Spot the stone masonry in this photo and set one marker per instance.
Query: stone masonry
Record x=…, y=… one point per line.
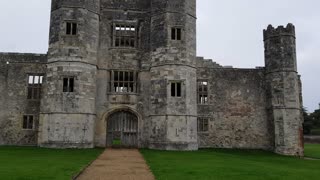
x=125, y=72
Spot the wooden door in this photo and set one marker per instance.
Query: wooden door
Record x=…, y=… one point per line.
x=122, y=129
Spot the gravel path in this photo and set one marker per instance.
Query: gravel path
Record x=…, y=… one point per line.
x=118, y=164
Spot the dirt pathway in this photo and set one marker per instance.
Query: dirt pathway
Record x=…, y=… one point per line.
x=118, y=164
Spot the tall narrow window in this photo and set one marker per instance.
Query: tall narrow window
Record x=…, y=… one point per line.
x=124, y=35
x=176, y=34
x=203, y=124
x=34, y=87
x=28, y=122
x=68, y=84
x=71, y=28
x=202, y=92
x=123, y=81
x=176, y=89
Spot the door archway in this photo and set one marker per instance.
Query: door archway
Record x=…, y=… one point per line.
x=122, y=129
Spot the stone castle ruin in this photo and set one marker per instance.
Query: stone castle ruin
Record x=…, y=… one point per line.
x=125, y=72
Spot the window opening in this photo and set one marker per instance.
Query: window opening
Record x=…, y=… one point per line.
x=176, y=34
x=34, y=86
x=27, y=122
x=124, y=35
x=71, y=28
x=68, y=84
x=203, y=124
x=202, y=92
x=176, y=89
x=123, y=81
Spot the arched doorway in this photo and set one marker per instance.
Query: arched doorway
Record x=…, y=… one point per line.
x=122, y=129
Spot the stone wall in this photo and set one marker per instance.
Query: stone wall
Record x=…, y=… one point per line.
x=14, y=70
x=236, y=108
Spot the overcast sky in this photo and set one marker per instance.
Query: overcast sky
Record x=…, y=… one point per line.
x=229, y=32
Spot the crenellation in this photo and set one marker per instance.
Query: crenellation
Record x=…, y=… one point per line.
x=272, y=32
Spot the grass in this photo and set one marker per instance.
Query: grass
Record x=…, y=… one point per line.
x=230, y=164
x=312, y=150
x=116, y=142
x=36, y=163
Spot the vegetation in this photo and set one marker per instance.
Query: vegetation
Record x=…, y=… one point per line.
x=311, y=124
x=231, y=164
x=312, y=150
x=38, y=163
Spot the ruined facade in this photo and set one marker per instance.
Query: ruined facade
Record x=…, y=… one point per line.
x=125, y=72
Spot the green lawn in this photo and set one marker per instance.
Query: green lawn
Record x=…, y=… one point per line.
x=230, y=164
x=312, y=150
x=37, y=163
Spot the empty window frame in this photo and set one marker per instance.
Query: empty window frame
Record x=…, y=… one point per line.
x=28, y=122
x=176, y=33
x=71, y=28
x=176, y=89
x=68, y=84
x=123, y=81
x=202, y=92
x=203, y=124
x=34, y=87
x=124, y=35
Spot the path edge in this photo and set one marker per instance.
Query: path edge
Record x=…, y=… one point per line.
x=74, y=177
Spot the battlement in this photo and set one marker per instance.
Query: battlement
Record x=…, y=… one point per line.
x=271, y=32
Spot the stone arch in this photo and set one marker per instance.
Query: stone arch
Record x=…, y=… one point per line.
x=122, y=127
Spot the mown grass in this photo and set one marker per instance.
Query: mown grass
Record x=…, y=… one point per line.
x=38, y=163
x=312, y=151
x=230, y=164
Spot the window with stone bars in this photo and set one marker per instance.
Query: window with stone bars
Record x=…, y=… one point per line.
x=202, y=92
x=68, y=84
x=176, y=33
x=28, y=122
x=34, y=87
x=176, y=89
x=71, y=28
x=123, y=81
x=124, y=35
x=203, y=124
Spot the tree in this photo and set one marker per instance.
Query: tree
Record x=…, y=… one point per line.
x=308, y=122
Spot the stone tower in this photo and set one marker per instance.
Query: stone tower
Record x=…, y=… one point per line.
x=283, y=89
x=68, y=105
x=173, y=106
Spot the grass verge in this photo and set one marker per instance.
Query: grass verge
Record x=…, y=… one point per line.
x=39, y=163
x=312, y=150
x=228, y=164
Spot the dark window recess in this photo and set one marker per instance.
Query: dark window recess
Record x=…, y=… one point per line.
x=68, y=84
x=27, y=122
x=71, y=28
x=173, y=89
x=123, y=81
x=176, y=34
x=203, y=124
x=202, y=92
x=34, y=87
x=124, y=35
x=176, y=89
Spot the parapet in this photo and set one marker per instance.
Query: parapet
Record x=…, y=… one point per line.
x=271, y=32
